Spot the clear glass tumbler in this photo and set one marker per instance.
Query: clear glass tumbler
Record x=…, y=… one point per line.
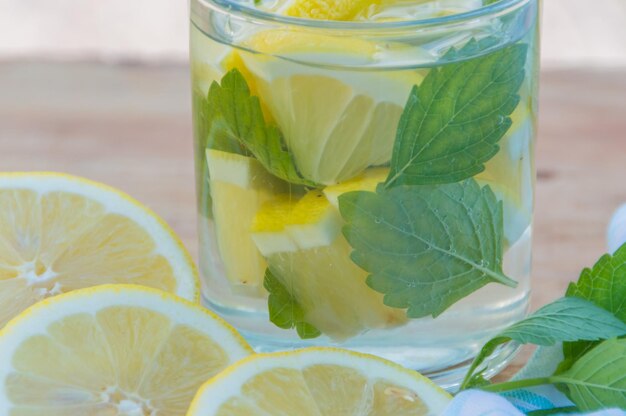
x=367, y=184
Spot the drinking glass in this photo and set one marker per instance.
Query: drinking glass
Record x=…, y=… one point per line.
x=367, y=184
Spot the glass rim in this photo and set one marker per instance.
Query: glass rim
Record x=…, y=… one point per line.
x=237, y=8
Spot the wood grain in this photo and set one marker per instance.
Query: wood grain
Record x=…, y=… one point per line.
x=130, y=126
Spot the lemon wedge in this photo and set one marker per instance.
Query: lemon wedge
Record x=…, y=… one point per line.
x=239, y=186
x=318, y=382
x=112, y=350
x=59, y=233
x=336, y=122
x=305, y=250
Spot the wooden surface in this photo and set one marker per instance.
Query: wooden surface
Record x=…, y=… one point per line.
x=130, y=127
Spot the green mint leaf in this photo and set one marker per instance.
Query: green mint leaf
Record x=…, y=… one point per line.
x=605, y=285
x=597, y=380
x=426, y=247
x=284, y=310
x=238, y=121
x=453, y=121
x=566, y=319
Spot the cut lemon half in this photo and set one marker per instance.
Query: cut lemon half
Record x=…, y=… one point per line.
x=318, y=382
x=59, y=233
x=112, y=350
x=305, y=250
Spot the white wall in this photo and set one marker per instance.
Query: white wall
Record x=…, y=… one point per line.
x=576, y=32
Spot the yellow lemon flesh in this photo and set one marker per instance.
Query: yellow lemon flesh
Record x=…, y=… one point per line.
x=111, y=350
x=336, y=122
x=367, y=181
x=59, y=233
x=372, y=10
x=305, y=250
x=330, y=9
x=318, y=382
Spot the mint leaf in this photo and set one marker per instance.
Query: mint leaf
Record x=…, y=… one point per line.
x=238, y=121
x=426, y=247
x=453, y=121
x=605, y=285
x=566, y=319
x=598, y=379
x=284, y=310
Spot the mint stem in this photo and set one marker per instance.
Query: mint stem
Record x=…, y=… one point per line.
x=556, y=410
x=518, y=384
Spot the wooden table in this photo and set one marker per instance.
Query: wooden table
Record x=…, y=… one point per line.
x=130, y=126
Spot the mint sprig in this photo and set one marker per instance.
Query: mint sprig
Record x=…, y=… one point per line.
x=605, y=285
x=284, y=310
x=426, y=247
x=595, y=381
x=594, y=378
x=566, y=319
x=453, y=121
x=238, y=123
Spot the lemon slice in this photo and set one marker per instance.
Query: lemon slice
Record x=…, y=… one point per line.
x=336, y=122
x=239, y=186
x=305, y=250
x=59, y=233
x=318, y=382
x=112, y=350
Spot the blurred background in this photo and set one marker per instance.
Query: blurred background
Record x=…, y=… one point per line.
x=576, y=32
x=101, y=89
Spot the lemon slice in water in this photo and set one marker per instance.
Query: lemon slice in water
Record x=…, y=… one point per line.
x=305, y=250
x=335, y=121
